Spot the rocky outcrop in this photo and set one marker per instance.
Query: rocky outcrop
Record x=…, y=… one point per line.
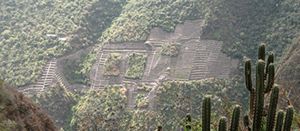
x=18, y=113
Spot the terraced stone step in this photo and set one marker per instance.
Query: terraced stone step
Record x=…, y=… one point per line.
x=120, y=51
x=199, y=70
x=201, y=65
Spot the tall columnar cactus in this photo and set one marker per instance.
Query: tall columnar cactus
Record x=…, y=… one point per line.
x=288, y=119
x=259, y=99
x=206, y=109
x=222, y=124
x=264, y=84
x=272, y=108
x=235, y=118
x=279, y=121
x=248, y=81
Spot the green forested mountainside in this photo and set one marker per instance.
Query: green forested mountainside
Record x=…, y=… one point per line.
x=33, y=31
x=139, y=16
x=107, y=109
x=101, y=110
x=243, y=24
x=176, y=99
x=58, y=103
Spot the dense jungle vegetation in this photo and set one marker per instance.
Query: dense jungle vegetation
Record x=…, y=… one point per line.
x=109, y=110
x=33, y=32
x=243, y=24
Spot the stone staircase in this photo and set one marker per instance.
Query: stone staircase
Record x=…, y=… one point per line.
x=149, y=65
x=46, y=79
x=97, y=82
x=200, y=68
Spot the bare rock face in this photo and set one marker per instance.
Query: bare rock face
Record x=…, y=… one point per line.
x=288, y=75
x=19, y=113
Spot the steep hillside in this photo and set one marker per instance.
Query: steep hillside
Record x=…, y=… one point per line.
x=139, y=16
x=288, y=75
x=101, y=110
x=33, y=31
x=243, y=24
x=19, y=113
x=58, y=103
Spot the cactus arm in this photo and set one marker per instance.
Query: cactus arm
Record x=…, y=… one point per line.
x=279, y=121
x=272, y=109
x=262, y=52
x=235, y=118
x=248, y=80
x=206, y=110
x=258, y=112
x=222, y=124
x=270, y=79
x=270, y=60
x=288, y=119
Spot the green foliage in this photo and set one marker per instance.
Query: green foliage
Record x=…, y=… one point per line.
x=101, y=110
x=143, y=120
x=71, y=70
x=259, y=121
x=112, y=64
x=170, y=49
x=136, y=66
x=87, y=63
x=58, y=103
x=33, y=32
x=139, y=16
x=176, y=99
x=141, y=101
x=242, y=25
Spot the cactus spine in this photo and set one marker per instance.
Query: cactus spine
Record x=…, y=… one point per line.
x=206, y=109
x=223, y=124
x=279, y=121
x=259, y=100
x=272, y=109
x=235, y=118
x=288, y=119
